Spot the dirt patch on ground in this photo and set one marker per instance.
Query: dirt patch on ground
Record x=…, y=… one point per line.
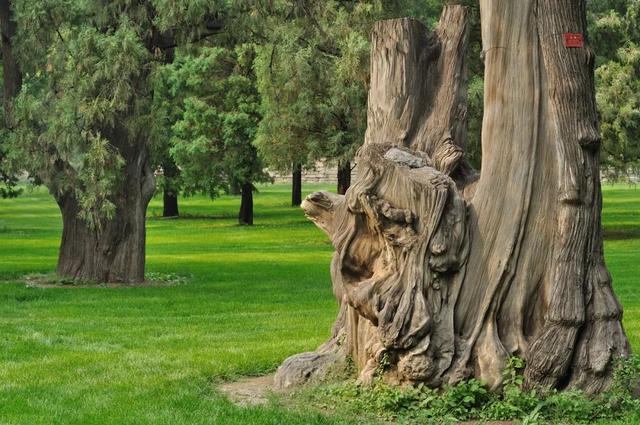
x=53, y=281
x=249, y=391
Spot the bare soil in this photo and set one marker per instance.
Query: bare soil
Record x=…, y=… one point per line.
x=249, y=391
x=53, y=281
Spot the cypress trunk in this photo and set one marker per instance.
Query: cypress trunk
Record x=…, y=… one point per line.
x=296, y=186
x=344, y=177
x=442, y=277
x=114, y=251
x=246, y=205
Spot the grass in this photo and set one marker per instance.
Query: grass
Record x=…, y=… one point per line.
x=152, y=355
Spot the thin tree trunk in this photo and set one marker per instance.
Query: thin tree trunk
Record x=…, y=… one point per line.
x=296, y=186
x=344, y=177
x=435, y=288
x=246, y=205
x=170, y=194
x=170, y=204
x=114, y=252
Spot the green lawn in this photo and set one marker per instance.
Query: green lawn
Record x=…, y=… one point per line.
x=153, y=355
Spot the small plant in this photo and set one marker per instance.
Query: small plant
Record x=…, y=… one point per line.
x=471, y=400
x=166, y=278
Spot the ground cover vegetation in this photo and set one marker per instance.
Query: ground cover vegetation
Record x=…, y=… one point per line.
x=247, y=298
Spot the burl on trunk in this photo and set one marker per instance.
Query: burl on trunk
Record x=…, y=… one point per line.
x=442, y=274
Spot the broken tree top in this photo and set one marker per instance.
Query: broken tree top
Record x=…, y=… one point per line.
x=443, y=274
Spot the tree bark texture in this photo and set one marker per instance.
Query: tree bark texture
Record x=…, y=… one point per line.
x=344, y=177
x=245, y=216
x=296, y=186
x=170, y=194
x=442, y=276
x=115, y=250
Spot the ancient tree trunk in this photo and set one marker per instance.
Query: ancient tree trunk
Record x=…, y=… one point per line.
x=296, y=186
x=344, y=177
x=441, y=276
x=114, y=251
x=170, y=194
x=246, y=205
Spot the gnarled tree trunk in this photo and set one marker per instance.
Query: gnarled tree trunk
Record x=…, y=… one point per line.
x=442, y=276
x=115, y=250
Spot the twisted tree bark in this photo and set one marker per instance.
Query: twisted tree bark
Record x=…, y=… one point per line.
x=442, y=276
x=114, y=251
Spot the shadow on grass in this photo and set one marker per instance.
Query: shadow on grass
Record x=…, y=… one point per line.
x=621, y=233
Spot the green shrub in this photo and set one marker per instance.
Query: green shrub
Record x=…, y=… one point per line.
x=472, y=400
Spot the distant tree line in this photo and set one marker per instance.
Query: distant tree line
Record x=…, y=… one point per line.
x=100, y=97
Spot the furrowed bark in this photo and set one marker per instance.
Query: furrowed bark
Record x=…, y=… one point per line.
x=400, y=232
x=114, y=252
x=442, y=277
x=579, y=276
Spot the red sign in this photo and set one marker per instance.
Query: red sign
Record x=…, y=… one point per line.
x=573, y=40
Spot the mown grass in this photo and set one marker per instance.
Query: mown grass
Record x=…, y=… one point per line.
x=153, y=355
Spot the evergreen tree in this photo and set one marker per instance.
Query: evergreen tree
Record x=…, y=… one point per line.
x=313, y=71
x=217, y=109
x=82, y=118
x=615, y=27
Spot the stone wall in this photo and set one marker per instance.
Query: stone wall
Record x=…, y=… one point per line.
x=321, y=173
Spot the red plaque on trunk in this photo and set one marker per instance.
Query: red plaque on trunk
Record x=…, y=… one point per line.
x=573, y=40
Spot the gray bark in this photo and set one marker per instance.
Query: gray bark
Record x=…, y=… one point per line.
x=114, y=251
x=442, y=276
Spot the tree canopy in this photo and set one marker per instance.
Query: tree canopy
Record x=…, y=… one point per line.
x=98, y=95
